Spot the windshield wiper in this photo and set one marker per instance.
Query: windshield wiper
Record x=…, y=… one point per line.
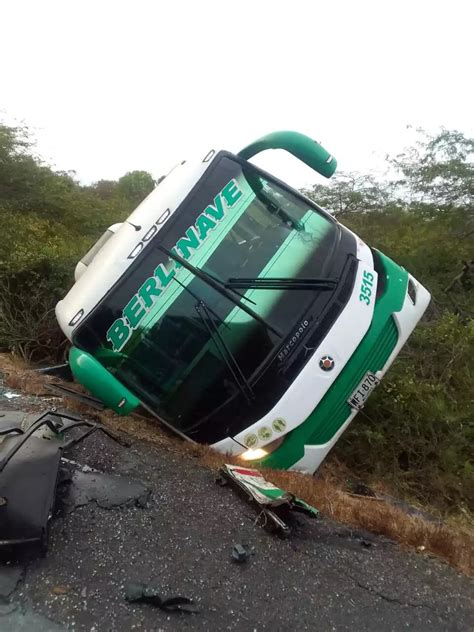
x=207, y=319
x=282, y=283
x=200, y=300
x=219, y=286
x=205, y=315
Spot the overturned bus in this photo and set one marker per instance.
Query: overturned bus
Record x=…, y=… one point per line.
x=238, y=312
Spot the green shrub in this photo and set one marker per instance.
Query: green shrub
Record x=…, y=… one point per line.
x=48, y=221
x=419, y=422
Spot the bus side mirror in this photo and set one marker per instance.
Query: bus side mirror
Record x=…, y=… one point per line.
x=302, y=147
x=92, y=375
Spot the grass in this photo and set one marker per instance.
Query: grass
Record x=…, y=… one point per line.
x=326, y=491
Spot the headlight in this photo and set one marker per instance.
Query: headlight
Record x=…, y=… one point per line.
x=253, y=455
x=260, y=453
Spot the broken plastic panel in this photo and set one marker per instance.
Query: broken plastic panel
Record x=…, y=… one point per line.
x=274, y=504
x=29, y=468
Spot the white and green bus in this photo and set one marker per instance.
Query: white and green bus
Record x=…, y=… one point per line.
x=238, y=312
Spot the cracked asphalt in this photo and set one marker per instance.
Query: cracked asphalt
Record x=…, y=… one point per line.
x=325, y=577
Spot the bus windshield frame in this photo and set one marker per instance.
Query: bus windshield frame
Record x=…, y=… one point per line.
x=237, y=222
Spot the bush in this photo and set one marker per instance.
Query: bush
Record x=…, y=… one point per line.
x=49, y=221
x=419, y=421
x=28, y=326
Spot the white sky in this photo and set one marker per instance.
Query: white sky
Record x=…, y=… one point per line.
x=111, y=86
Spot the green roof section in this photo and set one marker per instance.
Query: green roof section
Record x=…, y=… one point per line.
x=302, y=147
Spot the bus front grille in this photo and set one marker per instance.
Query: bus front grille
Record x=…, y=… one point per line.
x=333, y=410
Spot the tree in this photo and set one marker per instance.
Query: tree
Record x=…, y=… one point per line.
x=48, y=222
x=135, y=186
x=105, y=189
x=438, y=169
x=350, y=193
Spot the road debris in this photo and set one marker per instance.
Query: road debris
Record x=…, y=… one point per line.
x=29, y=471
x=61, y=371
x=273, y=504
x=10, y=395
x=241, y=553
x=61, y=390
x=136, y=592
x=60, y=590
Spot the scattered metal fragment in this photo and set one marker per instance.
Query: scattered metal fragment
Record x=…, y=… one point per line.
x=136, y=592
x=64, y=391
x=273, y=504
x=240, y=553
x=58, y=423
x=62, y=371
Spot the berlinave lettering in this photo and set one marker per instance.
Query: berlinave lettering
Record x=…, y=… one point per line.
x=141, y=303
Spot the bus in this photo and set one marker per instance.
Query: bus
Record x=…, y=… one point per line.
x=238, y=312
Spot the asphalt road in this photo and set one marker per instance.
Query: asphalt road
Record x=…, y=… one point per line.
x=179, y=538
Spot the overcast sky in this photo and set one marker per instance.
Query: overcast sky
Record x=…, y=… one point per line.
x=113, y=86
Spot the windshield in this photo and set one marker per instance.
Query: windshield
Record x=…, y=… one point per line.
x=149, y=330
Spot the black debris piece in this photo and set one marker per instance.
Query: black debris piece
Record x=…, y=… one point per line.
x=29, y=472
x=240, y=553
x=136, y=592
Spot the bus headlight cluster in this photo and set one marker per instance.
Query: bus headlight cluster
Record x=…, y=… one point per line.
x=260, y=453
x=253, y=455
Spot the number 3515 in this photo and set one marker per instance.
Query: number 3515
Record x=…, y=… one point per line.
x=366, y=287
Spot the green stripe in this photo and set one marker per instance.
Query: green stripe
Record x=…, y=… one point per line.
x=273, y=494
x=371, y=355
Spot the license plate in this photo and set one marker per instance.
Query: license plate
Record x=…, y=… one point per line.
x=363, y=391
